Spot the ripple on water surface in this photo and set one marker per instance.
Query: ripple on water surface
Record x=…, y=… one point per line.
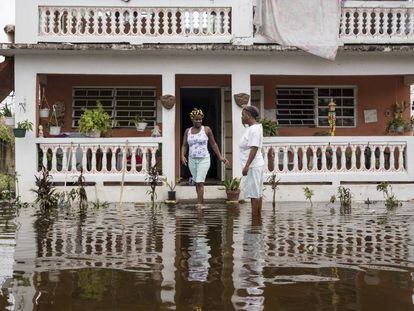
x=218, y=258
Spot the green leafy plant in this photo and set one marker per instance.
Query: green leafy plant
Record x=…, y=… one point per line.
x=308, y=194
x=344, y=196
x=138, y=119
x=6, y=112
x=94, y=120
x=6, y=133
x=391, y=200
x=153, y=179
x=274, y=184
x=270, y=128
x=46, y=197
x=25, y=125
x=396, y=124
x=81, y=192
x=7, y=186
x=232, y=184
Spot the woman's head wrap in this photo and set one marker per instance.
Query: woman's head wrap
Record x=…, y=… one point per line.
x=252, y=110
x=196, y=113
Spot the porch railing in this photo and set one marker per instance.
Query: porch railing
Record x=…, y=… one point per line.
x=100, y=159
x=377, y=22
x=134, y=24
x=340, y=158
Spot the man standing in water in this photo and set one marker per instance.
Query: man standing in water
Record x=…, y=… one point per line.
x=251, y=158
x=196, y=140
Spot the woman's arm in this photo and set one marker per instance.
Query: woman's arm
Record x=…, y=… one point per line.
x=184, y=148
x=214, y=145
x=252, y=155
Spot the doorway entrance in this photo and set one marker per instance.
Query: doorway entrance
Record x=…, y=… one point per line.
x=208, y=100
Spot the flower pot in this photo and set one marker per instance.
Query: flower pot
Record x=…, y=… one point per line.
x=233, y=195
x=19, y=133
x=94, y=134
x=171, y=196
x=44, y=113
x=141, y=126
x=54, y=130
x=9, y=121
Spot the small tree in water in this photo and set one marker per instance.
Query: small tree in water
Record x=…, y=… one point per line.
x=46, y=198
x=308, y=194
x=390, y=199
x=274, y=184
x=344, y=196
x=153, y=179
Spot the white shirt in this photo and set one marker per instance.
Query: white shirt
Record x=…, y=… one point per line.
x=253, y=137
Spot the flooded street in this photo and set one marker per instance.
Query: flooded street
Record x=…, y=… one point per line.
x=219, y=258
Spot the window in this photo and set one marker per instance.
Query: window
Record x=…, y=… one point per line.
x=122, y=104
x=308, y=106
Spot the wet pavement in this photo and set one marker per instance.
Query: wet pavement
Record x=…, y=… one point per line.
x=145, y=258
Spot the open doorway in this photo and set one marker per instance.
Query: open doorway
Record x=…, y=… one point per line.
x=208, y=100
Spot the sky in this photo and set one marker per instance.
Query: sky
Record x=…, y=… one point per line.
x=6, y=16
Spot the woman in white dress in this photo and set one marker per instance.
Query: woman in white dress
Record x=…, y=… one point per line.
x=251, y=157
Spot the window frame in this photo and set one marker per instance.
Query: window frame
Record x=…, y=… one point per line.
x=316, y=87
x=113, y=89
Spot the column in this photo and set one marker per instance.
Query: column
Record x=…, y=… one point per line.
x=242, y=22
x=25, y=108
x=240, y=83
x=168, y=129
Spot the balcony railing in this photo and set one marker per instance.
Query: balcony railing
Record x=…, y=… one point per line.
x=339, y=158
x=135, y=24
x=100, y=159
x=377, y=22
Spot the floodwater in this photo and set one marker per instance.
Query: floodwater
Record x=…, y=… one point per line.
x=165, y=258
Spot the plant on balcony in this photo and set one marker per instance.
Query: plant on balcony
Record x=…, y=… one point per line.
x=94, y=122
x=22, y=128
x=232, y=187
x=397, y=125
x=7, y=115
x=270, y=128
x=140, y=123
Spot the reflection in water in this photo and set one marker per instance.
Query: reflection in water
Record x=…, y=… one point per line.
x=220, y=258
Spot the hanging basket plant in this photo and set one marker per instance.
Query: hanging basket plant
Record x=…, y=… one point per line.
x=44, y=110
x=22, y=128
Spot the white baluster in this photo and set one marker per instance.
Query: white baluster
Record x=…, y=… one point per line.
x=402, y=150
x=373, y=158
x=65, y=150
x=58, y=17
x=285, y=159
x=148, y=23
x=377, y=25
x=165, y=23
x=43, y=22
x=84, y=155
x=382, y=158
x=392, y=158
x=122, y=22
x=174, y=21
x=343, y=158
x=93, y=159
x=210, y=23
x=410, y=13
x=104, y=160
x=334, y=159
x=323, y=156
x=96, y=14
x=153, y=153
x=73, y=157
x=54, y=149
x=295, y=159
x=227, y=21
x=156, y=22
x=360, y=22
x=218, y=23
x=133, y=160
x=114, y=154
x=315, y=158
x=144, y=169
x=276, y=158
x=353, y=158
x=266, y=159
x=394, y=23
x=113, y=25
x=304, y=159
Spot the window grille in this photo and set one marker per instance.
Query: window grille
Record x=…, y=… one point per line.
x=122, y=104
x=308, y=106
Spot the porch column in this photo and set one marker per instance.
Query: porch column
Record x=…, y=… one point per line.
x=242, y=21
x=168, y=129
x=240, y=83
x=25, y=148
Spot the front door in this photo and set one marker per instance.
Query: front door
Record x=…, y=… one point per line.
x=208, y=100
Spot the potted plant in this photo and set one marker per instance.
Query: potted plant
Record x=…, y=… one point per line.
x=94, y=122
x=270, y=128
x=171, y=192
x=232, y=187
x=55, y=126
x=6, y=113
x=397, y=125
x=22, y=127
x=140, y=123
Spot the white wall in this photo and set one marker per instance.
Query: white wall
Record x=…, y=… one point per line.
x=6, y=17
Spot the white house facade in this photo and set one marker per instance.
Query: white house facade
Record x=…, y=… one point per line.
x=71, y=54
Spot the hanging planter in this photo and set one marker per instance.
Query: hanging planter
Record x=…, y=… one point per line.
x=140, y=123
x=19, y=133
x=44, y=113
x=54, y=130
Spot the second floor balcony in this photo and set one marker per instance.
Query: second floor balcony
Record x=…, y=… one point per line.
x=205, y=21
